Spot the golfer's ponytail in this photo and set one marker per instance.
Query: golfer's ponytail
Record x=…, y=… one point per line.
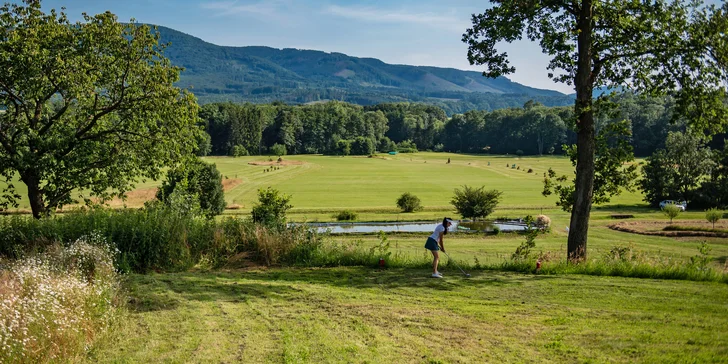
x=444, y=224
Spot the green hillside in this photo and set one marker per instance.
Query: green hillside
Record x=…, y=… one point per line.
x=264, y=74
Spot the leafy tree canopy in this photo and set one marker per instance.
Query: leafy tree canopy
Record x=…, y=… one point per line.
x=88, y=106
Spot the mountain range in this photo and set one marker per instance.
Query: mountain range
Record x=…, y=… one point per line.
x=263, y=74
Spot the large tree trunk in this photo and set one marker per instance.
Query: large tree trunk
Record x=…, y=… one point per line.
x=37, y=205
x=584, y=187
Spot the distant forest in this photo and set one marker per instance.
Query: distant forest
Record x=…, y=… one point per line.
x=340, y=128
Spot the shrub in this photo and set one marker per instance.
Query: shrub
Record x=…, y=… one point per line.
x=671, y=211
x=407, y=146
x=713, y=216
x=55, y=304
x=194, y=184
x=530, y=170
x=362, y=146
x=387, y=145
x=278, y=149
x=409, y=202
x=439, y=147
x=343, y=147
x=271, y=208
x=346, y=215
x=519, y=153
x=523, y=251
x=475, y=202
x=239, y=151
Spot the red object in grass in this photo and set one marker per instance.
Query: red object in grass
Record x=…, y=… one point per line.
x=381, y=262
x=538, y=265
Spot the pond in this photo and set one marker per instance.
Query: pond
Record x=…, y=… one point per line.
x=414, y=227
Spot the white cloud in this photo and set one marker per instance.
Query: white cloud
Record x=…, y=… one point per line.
x=235, y=7
x=368, y=14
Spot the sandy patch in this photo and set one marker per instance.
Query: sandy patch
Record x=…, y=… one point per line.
x=655, y=228
x=230, y=183
x=276, y=163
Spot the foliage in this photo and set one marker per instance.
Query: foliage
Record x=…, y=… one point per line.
x=523, y=251
x=199, y=180
x=55, y=304
x=543, y=222
x=278, y=149
x=611, y=176
x=362, y=146
x=343, y=147
x=475, y=203
x=271, y=208
x=239, y=151
x=595, y=44
x=204, y=144
x=407, y=146
x=346, y=215
x=408, y=202
x=713, y=215
x=677, y=171
x=671, y=211
x=89, y=106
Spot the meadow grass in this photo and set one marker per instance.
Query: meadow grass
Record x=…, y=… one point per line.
x=357, y=315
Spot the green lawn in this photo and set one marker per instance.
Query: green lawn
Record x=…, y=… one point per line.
x=360, y=315
x=323, y=184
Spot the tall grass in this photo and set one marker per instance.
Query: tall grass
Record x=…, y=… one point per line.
x=53, y=305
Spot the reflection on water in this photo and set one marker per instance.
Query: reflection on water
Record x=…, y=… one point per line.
x=413, y=227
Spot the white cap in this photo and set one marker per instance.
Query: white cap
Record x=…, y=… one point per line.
x=448, y=220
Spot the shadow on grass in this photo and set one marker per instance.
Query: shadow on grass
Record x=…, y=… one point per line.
x=623, y=208
x=168, y=291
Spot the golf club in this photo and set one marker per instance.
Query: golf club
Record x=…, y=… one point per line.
x=456, y=264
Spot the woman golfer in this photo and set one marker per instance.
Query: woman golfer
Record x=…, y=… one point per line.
x=435, y=243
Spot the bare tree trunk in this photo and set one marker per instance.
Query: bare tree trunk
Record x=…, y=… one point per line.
x=37, y=205
x=584, y=186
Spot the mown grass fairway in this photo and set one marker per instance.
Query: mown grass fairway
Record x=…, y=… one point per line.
x=361, y=315
x=322, y=184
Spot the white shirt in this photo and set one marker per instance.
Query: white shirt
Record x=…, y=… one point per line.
x=436, y=235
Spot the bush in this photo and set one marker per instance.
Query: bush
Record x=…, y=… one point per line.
x=713, y=216
x=407, y=146
x=387, y=145
x=475, y=202
x=343, y=147
x=194, y=184
x=362, y=146
x=439, y=147
x=409, y=202
x=271, y=208
x=55, y=304
x=239, y=151
x=278, y=149
x=671, y=211
x=519, y=153
x=530, y=170
x=346, y=215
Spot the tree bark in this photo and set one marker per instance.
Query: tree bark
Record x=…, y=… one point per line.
x=584, y=186
x=37, y=205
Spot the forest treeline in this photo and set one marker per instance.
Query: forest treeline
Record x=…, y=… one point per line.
x=341, y=128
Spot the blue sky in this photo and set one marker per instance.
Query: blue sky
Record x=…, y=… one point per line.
x=425, y=32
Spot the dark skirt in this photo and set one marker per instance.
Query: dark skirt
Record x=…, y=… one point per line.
x=431, y=244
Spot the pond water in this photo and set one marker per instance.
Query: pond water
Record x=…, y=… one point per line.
x=413, y=227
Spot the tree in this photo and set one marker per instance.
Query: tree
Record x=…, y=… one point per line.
x=343, y=147
x=713, y=215
x=671, y=211
x=271, y=208
x=474, y=203
x=652, y=47
x=409, y=202
x=362, y=146
x=278, y=149
x=239, y=151
x=89, y=106
x=199, y=179
x=676, y=171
